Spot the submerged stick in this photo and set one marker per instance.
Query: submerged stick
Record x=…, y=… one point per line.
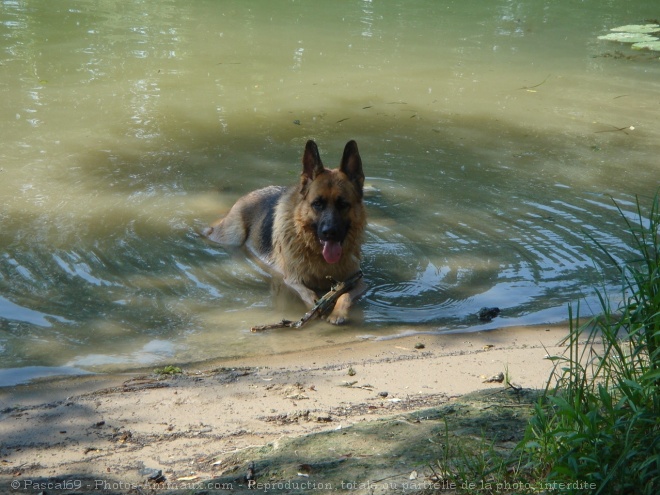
x=272, y=326
x=617, y=129
x=536, y=85
x=322, y=306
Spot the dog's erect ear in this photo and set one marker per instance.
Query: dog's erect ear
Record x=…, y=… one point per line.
x=351, y=165
x=312, y=165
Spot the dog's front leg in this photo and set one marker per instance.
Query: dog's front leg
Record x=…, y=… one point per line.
x=306, y=294
x=339, y=315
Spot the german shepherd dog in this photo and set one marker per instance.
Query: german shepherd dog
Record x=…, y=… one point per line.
x=310, y=233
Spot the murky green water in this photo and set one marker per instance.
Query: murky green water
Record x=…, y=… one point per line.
x=493, y=135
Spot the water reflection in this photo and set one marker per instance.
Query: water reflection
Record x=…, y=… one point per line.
x=128, y=127
x=367, y=19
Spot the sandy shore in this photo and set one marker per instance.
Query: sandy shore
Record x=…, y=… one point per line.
x=117, y=429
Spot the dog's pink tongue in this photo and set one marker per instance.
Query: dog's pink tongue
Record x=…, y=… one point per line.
x=331, y=251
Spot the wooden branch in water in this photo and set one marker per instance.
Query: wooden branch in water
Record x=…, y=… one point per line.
x=617, y=129
x=536, y=85
x=272, y=326
x=322, y=306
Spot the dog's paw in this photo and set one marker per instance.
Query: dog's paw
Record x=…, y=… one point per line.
x=338, y=319
x=339, y=315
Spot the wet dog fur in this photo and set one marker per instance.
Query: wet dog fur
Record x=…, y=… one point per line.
x=307, y=232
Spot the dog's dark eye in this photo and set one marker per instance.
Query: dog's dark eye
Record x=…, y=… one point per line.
x=318, y=204
x=342, y=204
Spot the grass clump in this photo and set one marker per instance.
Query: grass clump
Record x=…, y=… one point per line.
x=597, y=428
x=168, y=370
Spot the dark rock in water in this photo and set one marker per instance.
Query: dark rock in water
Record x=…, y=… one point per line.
x=487, y=314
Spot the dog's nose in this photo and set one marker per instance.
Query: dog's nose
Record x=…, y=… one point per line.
x=328, y=231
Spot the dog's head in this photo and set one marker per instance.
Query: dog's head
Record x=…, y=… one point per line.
x=331, y=199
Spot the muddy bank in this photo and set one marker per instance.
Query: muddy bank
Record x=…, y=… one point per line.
x=346, y=416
